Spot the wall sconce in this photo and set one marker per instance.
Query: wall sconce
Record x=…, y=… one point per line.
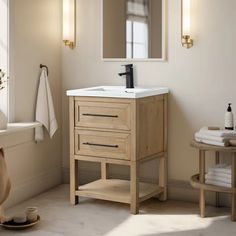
x=69, y=19
x=186, y=24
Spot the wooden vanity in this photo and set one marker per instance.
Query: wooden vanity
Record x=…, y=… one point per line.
x=118, y=131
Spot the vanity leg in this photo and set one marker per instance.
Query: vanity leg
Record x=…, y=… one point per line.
x=217, y=161
x=104, y=170
x=202, y=180
x=134, y=187
x=73, y=163
x=73, y=180
x=163, y=177
x=233, y=207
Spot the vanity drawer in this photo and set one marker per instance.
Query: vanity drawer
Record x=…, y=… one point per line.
x=102, y=115
x=102, y=144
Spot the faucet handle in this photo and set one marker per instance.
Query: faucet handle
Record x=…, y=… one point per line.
x=128, y=65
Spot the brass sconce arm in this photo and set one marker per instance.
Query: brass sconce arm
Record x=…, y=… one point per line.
x=187, y=42
x=69, y=44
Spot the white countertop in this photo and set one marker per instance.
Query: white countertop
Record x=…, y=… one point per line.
x=117, y=92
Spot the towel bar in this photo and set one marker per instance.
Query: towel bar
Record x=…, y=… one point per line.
x=44, y=66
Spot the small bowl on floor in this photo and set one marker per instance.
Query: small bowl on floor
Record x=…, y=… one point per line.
x=11, y=225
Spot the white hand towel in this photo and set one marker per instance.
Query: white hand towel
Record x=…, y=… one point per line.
x=212, y=177
x=218, y=183
x=204, y=136
x=231, y=134
x=219, y=174
x=210, y=142
x=221, y=168
x=45, y=113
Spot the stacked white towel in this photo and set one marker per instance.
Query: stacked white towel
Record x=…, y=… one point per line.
x=220, y=175
x=215, y=137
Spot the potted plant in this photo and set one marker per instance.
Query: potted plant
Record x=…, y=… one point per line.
x=3, y=118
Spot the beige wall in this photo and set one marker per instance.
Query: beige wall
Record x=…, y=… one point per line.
x=201, y=80
x=35, y=38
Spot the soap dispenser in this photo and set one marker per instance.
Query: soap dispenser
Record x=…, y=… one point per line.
x=229, y=119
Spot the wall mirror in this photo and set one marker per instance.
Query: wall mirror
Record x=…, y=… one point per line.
x=134, y=29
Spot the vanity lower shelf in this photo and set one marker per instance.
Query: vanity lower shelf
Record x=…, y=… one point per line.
x=117, y=190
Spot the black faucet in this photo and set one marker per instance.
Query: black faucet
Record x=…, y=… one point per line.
x=129, y=76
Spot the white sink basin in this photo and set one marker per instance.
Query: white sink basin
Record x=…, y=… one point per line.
x=117, y=92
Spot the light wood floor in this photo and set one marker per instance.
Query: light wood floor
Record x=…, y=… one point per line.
x=101, y=218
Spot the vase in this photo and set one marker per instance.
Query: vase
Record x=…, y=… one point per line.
x=3, y=121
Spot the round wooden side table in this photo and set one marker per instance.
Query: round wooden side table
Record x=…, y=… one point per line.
x=198, y=181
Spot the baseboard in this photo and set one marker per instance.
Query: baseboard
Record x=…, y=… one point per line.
x=34, y=186
x=177, y=189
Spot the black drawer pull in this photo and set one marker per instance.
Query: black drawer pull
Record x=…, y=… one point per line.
x=98, y=115
x=101, y=145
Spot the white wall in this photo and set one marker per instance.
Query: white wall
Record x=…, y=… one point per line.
x=35, y=37
x=202, y=79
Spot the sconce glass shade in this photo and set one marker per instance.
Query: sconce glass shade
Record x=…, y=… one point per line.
x=186, y=17
x=186, y=24
x=69, y=23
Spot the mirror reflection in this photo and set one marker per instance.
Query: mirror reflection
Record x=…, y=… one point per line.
x=133, y=29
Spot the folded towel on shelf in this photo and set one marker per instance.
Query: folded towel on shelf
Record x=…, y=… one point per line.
x=219, y=174
x=215, y=136
x=218, y=183
x=45, y=113
x=213, y=177
x=220, y=168
x=211, y=142
x=230, y=134
x=203, y=136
